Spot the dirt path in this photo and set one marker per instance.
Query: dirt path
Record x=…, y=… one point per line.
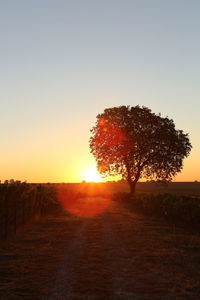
x=115, y=255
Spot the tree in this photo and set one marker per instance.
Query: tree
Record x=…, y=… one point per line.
x=136, y=143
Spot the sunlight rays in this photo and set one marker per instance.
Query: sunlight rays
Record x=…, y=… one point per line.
x=90, y=174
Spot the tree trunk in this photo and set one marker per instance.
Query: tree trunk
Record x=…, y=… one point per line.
x=132, y=188
x=131, y=182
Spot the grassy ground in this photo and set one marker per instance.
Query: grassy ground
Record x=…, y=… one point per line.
x=116, y=254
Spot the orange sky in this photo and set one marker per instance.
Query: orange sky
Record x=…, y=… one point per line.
x=61, y=155
x=63, y=63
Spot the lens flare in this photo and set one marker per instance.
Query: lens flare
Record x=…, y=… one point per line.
x=82, y=199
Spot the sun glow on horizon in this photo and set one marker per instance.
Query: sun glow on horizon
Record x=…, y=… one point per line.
x=90, y=174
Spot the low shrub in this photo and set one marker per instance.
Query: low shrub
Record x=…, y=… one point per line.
x=179, y=209
x=20, y=203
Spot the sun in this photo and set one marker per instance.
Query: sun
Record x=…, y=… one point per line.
x=90, y=174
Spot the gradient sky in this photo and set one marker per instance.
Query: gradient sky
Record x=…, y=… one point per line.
x=63, y=62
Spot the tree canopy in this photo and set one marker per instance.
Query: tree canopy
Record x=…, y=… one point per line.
x=136, y=143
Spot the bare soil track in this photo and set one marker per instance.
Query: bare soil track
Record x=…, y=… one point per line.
x=117, y=254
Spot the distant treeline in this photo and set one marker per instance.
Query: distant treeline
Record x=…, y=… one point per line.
x=22, y=202
x=111, y=187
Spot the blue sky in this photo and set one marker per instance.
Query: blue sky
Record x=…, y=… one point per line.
x=63, y=62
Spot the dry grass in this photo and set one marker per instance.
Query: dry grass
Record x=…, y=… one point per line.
x=28, y=264
x=117, y=254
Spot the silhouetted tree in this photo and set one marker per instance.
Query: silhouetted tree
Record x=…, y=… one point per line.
x=136, y=143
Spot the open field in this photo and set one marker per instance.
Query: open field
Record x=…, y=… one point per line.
x=22, y=203
x=177, y=203
x=186, y=188
x=116, y=254
x=98, y=248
